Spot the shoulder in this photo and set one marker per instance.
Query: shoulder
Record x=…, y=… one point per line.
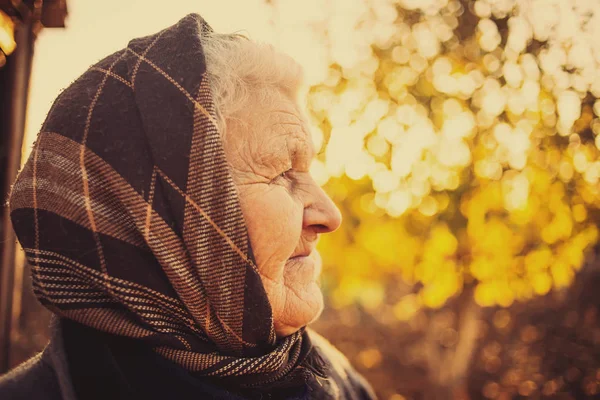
x=335, y=358
x=33, y=379
x=343, y=373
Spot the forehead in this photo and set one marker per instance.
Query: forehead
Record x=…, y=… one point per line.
x=281, y=118
x=275, y=129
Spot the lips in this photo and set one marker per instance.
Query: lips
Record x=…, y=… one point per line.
x=303, y=254
x=305, y=248
x=300, y=256
x=308, y=266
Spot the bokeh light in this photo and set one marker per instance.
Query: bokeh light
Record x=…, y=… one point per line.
x=476, y=139
x=461, y=141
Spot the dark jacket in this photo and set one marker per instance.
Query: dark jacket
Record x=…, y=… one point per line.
x=75, y=365
x=44, y=376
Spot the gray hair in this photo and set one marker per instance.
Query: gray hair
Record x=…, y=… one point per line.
x=242, y=72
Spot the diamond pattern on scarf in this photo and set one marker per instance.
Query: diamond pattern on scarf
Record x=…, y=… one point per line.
x=131, y=221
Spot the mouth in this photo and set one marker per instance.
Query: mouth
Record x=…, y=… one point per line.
x=301, y=257
x=306, y=258
x=306, y=249
x=310, y=263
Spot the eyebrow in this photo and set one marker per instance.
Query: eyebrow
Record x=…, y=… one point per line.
x=294, y=153
x=295, y=120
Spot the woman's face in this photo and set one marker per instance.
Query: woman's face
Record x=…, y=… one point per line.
x=269, y=150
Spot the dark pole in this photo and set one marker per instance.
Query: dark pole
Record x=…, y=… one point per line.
x=15, y=87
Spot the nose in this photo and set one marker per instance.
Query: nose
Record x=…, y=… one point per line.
x=321, y=215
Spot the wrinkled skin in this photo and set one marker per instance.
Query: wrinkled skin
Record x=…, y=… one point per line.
x=269, y=150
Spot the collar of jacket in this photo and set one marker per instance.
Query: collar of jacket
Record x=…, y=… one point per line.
x=343, y=382
x=88, y=364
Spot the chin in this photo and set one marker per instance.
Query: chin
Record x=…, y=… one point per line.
x=319, y=309
x=316, y=305
x=309, y=312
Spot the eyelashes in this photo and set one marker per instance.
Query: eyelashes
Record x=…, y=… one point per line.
x=284, y=175
x=285, y=179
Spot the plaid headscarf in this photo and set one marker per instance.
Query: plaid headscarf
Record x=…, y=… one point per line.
x=130, y=218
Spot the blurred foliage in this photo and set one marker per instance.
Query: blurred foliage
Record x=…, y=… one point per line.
x=461, y=142
x=548, y=347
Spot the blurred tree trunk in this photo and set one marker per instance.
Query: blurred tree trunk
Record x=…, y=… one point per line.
x=15, y=86
x=27, y=17
x=449, y=358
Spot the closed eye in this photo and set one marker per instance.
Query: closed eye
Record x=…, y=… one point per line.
x=283, y=177
x=285, y=174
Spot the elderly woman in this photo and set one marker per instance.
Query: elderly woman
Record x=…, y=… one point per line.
x=170, y=221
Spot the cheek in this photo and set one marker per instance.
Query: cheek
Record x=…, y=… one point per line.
x=274, y=221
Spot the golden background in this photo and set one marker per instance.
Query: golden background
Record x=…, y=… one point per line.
x=461, y=141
